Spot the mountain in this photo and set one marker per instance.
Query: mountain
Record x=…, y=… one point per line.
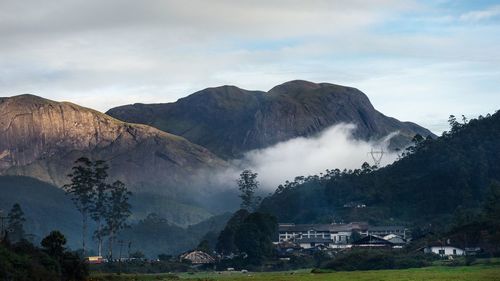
x=230, y=121
x=42, y=138
x=437, y=181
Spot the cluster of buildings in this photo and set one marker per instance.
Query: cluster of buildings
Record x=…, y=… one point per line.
x=335, y=236
x=310, y=237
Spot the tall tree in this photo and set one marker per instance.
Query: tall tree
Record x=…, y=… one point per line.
x=248, y=185
x=15, y=221
x=81, y=189
x=100, y=200
x=255, y=236
x=118, y=211
x=226, y=240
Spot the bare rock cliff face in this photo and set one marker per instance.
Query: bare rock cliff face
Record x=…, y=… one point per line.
x=42, y=138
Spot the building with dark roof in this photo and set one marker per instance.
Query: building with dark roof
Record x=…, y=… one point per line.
x=372, y=241
x=386, y=230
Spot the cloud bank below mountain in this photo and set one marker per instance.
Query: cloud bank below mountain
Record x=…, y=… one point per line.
x=334, y=148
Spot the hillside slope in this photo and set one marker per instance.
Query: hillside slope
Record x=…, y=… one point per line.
x=42, y=138
x=47, y=207
x=230, y=121
x=442, y=178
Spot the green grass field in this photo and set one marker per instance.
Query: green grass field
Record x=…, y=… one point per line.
x=435, y=273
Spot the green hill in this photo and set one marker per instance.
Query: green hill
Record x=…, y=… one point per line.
x=439, y=179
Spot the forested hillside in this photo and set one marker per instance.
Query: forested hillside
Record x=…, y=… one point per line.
x=435, y=181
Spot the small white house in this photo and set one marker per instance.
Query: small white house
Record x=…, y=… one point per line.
x=444, y=251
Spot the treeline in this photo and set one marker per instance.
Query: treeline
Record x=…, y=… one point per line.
x=21, y=260
x=431, y=182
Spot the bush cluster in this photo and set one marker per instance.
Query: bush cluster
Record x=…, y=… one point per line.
x=376, y=259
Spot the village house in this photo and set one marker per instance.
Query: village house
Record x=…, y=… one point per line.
x=444, y=250
x=387, y=230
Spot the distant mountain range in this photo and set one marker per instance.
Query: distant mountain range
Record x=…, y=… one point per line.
x=157, y=149
x=230, y=121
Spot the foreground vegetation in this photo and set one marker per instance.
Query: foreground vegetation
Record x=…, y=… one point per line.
x=436, y=273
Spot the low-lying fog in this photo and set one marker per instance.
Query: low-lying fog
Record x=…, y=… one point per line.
x=333, y=148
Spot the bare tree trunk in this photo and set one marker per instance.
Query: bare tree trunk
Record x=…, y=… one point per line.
x=99, y=238
x=110, y=242
x=84, y=231
x=99, y=247
x=111, y=245
x=111, y=238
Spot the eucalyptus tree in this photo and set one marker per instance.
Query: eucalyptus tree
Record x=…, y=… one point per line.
x=100, y=201
x=81, y=189
x=248, y=185
x=15, y=221
x=118, y=210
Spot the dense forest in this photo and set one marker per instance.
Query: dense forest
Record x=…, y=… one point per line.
x=432, y=184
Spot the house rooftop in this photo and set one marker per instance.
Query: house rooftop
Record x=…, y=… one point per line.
x=290, y=227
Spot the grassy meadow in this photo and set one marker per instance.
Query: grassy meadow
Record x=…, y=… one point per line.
x=434, y=273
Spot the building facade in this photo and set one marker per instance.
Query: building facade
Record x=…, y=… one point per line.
x=331, y=235
x=444, y=251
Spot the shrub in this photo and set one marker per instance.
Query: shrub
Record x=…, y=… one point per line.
x=375, y=259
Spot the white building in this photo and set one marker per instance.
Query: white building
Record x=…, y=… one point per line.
x=329, y=235
x=444, y=251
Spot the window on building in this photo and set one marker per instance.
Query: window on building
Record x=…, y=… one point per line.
x=441, y=252
x=454, y=251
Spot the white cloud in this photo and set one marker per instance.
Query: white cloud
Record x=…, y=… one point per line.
x=486, y=14
x=107, y=53
x=333, y=148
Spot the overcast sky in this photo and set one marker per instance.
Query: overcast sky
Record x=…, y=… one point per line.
x=416, y=60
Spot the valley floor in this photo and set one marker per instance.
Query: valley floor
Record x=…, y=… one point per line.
x=435, y=273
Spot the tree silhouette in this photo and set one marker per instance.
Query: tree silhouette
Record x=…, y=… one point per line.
x=248, y=185
x=15, y=221
x=118, y=211
x=100, y=200
x=81, y=189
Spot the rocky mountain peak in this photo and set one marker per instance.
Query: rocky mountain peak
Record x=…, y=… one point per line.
x=230, y=121
x=294, y=86
x=41, y=138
